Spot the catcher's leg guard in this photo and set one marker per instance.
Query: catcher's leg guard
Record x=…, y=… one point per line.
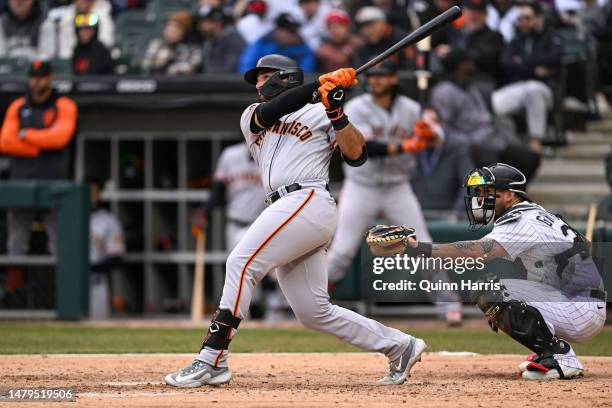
x=525, y=324
x=219, y=332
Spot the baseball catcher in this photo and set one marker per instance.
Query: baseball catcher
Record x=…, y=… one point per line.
x=562, y=298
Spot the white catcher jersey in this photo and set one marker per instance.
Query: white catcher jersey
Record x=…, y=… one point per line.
x=243, y=189
x=534, y=236
x=386, y=126
x=297, y=148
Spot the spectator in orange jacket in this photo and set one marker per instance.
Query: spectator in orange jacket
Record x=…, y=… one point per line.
x=36, y=133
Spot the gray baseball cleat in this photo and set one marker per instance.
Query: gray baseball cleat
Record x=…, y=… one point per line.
x=197, y=374
x=399, y=369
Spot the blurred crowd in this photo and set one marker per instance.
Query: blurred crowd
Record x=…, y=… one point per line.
x=496, y=77
x=220, y=36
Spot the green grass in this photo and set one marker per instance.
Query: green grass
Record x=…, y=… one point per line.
x=57, y=338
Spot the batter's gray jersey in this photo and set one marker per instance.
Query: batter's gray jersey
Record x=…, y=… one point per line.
x=540, y=241
x=243, y=188
x=378, y=124
x=297, y=148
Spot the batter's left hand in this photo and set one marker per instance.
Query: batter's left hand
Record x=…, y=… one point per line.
x=343, y=76
x=332, y=96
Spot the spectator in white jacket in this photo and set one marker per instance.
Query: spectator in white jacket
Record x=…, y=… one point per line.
x=312, y=17
x=67, y=34
x=24, y=33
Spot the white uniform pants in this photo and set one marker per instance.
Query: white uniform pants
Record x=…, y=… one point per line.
x=291, y=235
x=576, y=319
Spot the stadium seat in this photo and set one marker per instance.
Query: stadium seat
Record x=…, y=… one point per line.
x=604, y=209
x=159, y=10
x=13, y=66
x=61, y=67
x=134, y=30
x=577, y=59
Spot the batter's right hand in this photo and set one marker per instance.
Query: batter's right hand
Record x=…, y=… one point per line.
x=343, y=76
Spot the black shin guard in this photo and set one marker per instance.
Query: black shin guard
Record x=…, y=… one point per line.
x=525, y=324
x=219, y=332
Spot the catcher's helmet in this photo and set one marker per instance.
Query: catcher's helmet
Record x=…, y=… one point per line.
x=480, y=207
x=288, y=74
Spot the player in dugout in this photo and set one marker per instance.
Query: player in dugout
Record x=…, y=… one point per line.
x=36, y=134
x=557, y=294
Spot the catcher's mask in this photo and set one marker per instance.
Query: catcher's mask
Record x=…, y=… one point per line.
x=482, y=184
x=288, y=75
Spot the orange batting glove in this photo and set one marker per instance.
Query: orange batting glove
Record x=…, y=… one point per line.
x=324, y=92
x=333, y=97
x=423, y=131
x=413, y=145
x=344, y=76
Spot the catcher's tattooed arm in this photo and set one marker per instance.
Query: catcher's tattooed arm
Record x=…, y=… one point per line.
x=388, y=240
x=486, y=248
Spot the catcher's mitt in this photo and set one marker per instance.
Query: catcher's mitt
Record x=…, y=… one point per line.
x=388, y=240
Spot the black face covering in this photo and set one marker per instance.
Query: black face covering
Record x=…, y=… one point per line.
x=480, y=210
x=273, y=86
x=279, y=82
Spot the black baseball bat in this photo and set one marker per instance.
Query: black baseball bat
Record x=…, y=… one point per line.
x=414, y=37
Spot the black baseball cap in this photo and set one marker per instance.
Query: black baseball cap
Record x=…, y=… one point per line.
x=39, y=68
x=475, y=4
x=288, y=22
x=387, y=67
x=454, y=58
x=213, y=14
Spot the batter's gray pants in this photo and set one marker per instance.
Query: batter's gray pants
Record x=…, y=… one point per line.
x=290, y=236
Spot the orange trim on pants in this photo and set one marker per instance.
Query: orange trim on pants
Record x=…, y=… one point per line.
x=259, y=249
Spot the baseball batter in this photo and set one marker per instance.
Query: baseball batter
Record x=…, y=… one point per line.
x=380, y=188
x=237, y=183
x=292, y=141
x=561, y=298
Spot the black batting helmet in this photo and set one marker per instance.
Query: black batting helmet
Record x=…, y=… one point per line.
x=500, y=176
x=288, y=74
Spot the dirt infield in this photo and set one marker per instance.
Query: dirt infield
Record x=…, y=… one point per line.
x=306, y=380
